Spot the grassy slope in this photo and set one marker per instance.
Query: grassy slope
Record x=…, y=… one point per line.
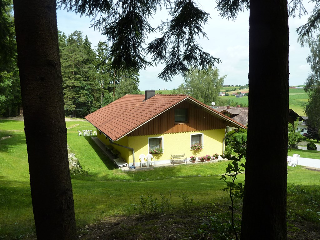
x=106, y=191
x=297, y=98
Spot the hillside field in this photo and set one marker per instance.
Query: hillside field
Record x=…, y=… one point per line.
x=298, y=98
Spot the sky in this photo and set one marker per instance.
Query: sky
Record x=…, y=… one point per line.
x=226, y=39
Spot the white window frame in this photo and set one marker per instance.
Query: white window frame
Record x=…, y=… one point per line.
x=161, y=143
x=202, y=142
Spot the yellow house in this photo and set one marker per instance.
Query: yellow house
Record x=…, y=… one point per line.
x=162, y=125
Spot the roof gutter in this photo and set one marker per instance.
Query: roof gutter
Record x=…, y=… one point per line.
x=117, y=144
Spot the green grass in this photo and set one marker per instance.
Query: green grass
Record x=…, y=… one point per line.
x=305, y=153
x=233, y=100
x=105, y=191
x=298, y=99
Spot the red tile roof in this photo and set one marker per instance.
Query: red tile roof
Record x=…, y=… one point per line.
x=130, y=112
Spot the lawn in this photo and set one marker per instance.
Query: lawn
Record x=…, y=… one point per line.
x=298, y=99
x=178, y=195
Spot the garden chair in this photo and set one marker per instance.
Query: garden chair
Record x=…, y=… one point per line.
x=142, y=158
x=294, y=160
x=149, y=160
x=79, y=133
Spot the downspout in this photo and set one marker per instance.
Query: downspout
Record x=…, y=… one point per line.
x=224, y=140
x=134, y=161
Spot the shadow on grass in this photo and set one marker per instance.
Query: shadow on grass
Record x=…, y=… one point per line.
x=104, y=158
x=16, y=221
x=15, y=195
x=10, y=139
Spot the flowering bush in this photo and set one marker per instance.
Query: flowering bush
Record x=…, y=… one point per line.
x=208, y=157
x=156, y=151
x=196, y=147
x=193, y=158
x=202, y=159
x=216, y=155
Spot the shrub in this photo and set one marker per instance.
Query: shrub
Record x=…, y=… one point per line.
x=311, y=146
x=294, y=137
x=236, y=143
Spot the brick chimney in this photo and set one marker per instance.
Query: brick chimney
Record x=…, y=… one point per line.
x=149, y=93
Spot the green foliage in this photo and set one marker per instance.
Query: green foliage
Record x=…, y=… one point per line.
x=294, y=137
x=311, y=146
x=313, y=107
x=7, y=34
x=218, y=226
x=230, y=8
x=312, y=86
x=89, y=82
x=236, y=143
x=128, y=83
x=104, y=77
x=126, y=26
x=204, y=85
x=305, y=31
x=313, y=133
x=151, y=205
x=78, y=73
x=10, y=96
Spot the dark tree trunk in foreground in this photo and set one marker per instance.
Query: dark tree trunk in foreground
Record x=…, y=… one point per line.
x=264, y=209
x=45, y=128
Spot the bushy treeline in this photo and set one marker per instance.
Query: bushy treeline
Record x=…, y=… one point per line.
x=89, y=81
x=10, y=96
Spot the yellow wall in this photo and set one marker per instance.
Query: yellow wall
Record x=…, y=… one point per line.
x=175, y=143
x=125, y=153
x=179, y=143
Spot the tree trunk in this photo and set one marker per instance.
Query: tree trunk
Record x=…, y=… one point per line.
x=45, y=128
x=264, y=207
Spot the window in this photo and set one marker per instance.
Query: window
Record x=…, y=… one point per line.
x=181, y=115
x=155, y=145
x=196, y=141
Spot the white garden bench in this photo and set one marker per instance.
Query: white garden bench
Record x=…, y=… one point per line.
x=178, y=159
